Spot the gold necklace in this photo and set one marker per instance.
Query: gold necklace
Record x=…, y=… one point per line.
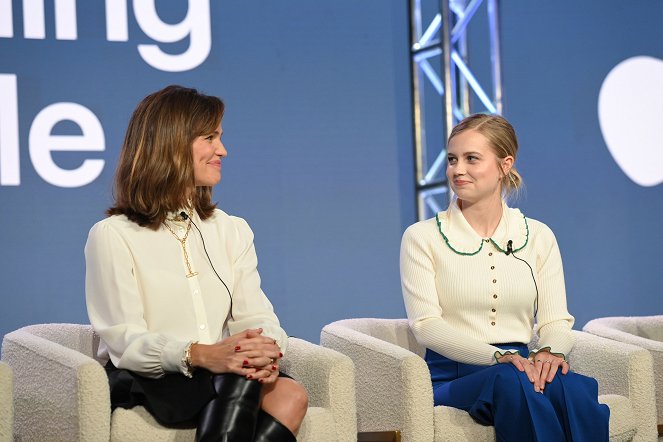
x=177, y=217
x=182, y=242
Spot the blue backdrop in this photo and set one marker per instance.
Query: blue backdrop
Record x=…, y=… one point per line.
x=319, y=133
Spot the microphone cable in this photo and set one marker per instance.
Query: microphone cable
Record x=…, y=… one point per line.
x=509, y=251
x=186, y=216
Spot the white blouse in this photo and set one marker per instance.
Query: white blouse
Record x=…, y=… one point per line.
x=144, y=307
x=463, y=293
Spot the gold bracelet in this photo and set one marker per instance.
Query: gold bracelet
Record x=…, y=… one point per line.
x=186, y=360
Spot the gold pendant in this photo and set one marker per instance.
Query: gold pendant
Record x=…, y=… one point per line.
x=191, y=274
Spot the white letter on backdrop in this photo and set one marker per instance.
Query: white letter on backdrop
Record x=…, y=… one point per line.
x=10, y=170
x=196, y=25
x=65, y=20
x=117, y=28
x=42, y=143
x=6, y=19
x=34, y=25
x=33, y=19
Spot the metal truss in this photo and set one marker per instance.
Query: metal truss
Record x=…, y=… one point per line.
x=444, y=87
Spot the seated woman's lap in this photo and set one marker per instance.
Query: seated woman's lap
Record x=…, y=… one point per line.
x=501, y=393
x=465, y=391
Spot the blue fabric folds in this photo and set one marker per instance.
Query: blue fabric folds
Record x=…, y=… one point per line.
x=502, y=396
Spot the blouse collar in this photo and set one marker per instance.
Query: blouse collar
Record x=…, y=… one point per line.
x=462, y=239
x=177, y=218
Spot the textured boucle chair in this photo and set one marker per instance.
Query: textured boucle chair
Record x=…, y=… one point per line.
x=62, y=394
x=394, y=390
x=6, y=403
x=643, y=331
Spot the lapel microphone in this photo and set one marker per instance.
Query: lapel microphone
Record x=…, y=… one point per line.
x=509, y=251
x=184, y=215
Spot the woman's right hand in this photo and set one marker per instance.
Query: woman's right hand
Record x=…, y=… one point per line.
x=270, y=372
x=524, y=365
x=241, y=353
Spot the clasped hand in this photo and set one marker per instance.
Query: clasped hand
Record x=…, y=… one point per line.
x=248, y=353
x=541, y=368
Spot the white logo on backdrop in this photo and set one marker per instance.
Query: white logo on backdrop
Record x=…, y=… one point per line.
x=195, y=26
x=630, y=112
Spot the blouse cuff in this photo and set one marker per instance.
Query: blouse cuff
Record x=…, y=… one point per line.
x=499, y=354
x=533, y=353
x=171, y=356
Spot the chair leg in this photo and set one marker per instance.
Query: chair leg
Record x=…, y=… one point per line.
x=269, y=429
x=233, y=413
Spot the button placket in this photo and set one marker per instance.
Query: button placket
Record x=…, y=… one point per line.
x=202, y=323
x=492, y=274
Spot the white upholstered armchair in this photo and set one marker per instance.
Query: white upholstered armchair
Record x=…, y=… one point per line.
x=62, y=394
x=394, y=389
x=643, y=331
x=6, y=403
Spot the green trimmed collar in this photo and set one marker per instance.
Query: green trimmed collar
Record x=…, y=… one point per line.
x=462, y=239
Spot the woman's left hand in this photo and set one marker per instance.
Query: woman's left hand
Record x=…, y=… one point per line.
x=547, y=365
x=266, y=374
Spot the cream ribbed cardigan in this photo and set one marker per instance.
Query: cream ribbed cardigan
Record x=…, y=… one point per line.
x=458, y=305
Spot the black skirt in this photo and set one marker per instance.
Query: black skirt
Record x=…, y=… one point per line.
x=174, y=399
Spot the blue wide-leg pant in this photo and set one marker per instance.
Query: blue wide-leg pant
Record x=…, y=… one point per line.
x=502, y=396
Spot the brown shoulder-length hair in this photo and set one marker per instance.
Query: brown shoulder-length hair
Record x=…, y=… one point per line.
x=154, y=174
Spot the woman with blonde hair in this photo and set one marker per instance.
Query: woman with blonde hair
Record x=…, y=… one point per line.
x=173, y=290
x=476, y=279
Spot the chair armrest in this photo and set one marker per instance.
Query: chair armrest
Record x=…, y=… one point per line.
x=621, y=369
x=58, y=391
x=394, y=390
x=607, y=328
x=643, y=331
x=328, y=377
x=6, y=403
x=650, y=327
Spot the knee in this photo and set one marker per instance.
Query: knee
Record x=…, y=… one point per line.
x=506, y=376
x=298, y=398
x=508, y=383
x=286, y=398
x=576, y=383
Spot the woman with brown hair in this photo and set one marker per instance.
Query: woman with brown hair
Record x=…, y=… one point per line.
x=173, y=290
x=476, y=279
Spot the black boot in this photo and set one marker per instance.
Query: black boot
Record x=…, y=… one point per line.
x=269, y=429
x=231, y=416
